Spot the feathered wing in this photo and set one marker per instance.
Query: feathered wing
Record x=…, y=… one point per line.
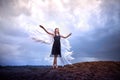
x=66, y=52
x=38, y=34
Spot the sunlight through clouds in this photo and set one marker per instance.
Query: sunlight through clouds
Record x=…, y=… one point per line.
x=52, y=13
x=94, y=25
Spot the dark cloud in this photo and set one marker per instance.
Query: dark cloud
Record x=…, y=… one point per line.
x=12, y=8
x=105, y=37
x=100, y=43
x=15, y=46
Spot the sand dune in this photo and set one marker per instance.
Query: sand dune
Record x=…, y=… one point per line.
x=100, y=70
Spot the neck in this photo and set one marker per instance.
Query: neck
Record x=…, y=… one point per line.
x=57, y=34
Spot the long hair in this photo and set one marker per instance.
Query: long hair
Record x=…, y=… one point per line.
x=55, y=31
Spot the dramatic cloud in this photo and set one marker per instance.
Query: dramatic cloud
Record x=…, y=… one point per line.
x=94, y=25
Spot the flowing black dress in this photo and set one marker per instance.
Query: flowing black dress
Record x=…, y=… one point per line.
x=56, y=48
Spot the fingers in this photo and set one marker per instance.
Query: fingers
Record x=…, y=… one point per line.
x=41, y=26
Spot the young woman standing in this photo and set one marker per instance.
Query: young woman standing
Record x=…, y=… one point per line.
x=56, y=48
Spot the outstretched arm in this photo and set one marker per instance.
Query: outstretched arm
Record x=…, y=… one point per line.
x=46, y=30
x=66, y=36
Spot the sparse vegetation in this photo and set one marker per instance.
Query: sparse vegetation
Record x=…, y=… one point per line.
x=102, y=70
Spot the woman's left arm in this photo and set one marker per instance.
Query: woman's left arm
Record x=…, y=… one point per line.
x=66, y=36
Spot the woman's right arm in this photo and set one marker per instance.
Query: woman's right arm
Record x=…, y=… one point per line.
x=46, y=30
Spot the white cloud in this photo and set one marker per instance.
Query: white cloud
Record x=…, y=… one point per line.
x=86, y=18
x=89, y=59
x=13, y=8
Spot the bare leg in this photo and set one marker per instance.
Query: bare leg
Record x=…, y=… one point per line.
x=55, y=62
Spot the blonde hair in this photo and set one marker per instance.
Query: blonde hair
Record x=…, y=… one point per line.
x=55, y=31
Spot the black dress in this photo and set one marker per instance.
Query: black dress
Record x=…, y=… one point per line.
x=56, y=48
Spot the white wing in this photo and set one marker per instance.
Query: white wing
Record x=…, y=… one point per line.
x=66, y=52
x=40, y=35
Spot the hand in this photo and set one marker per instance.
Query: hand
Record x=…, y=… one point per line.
x=41, y=26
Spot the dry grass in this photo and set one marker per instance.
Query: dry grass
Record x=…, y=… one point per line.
x=102, y=70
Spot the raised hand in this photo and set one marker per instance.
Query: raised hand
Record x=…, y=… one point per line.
x=41, y=26
x=46, y=30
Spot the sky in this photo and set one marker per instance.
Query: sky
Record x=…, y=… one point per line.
x=94, y=24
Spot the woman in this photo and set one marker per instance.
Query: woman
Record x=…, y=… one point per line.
x=56, y=48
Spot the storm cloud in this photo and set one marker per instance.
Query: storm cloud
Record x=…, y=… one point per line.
x=94, y=25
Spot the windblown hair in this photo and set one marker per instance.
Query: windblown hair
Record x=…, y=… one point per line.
x=55, y=31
